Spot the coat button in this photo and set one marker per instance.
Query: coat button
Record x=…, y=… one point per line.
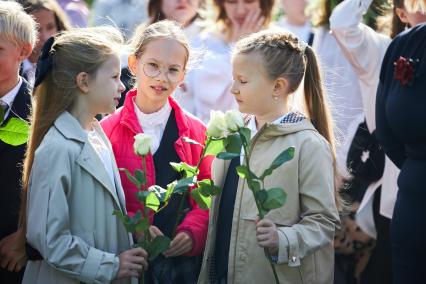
x=243, y=257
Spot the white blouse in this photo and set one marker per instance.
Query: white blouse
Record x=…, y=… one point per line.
x=154, y=123
x=103, y=152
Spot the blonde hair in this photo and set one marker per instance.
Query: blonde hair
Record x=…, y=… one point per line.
x=16, y=25
x=284, y=55
x=74, y=51
x=414, y=6
x=164, y=29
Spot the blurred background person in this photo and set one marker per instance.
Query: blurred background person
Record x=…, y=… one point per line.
x=77, y=11
x=208, y=85
x=365, y=47
x=50, y=19
x=296, y=19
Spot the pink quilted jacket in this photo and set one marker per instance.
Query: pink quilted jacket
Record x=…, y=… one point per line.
x=123, y=125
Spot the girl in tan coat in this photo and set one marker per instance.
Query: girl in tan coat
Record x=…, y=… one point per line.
x=268, y=68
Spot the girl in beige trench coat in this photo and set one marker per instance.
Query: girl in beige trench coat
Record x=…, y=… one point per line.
x=70, y=175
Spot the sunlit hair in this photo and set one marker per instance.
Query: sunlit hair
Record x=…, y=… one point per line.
x=284, y=56
x=16, y=25
x=74, y=51
x=155, y=13
x=266, y=7
x=397, y=25
x=61, y=19
x=165, y=29
x=414, y=6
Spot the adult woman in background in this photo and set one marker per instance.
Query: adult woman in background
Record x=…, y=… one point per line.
x=401, y=94
x=208, y=86
x=365, y=48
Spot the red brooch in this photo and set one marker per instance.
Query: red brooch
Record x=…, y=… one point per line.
x=404, y=70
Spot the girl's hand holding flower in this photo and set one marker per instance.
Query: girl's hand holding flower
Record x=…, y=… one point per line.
x=267, y=235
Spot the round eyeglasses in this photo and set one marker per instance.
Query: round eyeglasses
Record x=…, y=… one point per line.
x=174, y=73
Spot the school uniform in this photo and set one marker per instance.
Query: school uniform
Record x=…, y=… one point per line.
x=306, y=222
x=401, y=128
x=72, y=195
x=18, y=102
x=168, y=127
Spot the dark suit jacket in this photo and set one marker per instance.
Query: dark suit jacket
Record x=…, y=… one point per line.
x=11, y=159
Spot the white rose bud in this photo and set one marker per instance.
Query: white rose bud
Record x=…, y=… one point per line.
x=143, y=144
x=234, y=120
x=217, y=125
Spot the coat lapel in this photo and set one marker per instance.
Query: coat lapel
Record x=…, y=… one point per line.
x=90, y=161
x=88, y=158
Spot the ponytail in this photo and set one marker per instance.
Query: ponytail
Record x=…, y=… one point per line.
x=317, y=108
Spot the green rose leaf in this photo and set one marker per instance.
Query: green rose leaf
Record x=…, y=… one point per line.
x=207, y=187
x=160, y=192
x=170, y=189
x=204, y=202
x=152, y=201
x=182, y=185
x=243, y=172
x=227, y=156
x=245, y=134
x=261, y=196
x=215, y=146
x=282, y=158
x=233, y=144
x=157, y=246
x=133, y=179
x=140, y=176
x=142, y=226
x=15, y=132
x=276, y=198
x=2, y=114
x=185, y=169
x=254, y=185
x=142, y=195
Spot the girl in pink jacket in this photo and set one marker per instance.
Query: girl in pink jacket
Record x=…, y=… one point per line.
x=159, y=58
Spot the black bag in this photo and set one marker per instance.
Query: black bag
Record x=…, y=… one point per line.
x=366, y=158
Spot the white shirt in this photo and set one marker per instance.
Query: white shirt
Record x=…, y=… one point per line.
x=10, y=97
x=302, y=32
x=103, y=152
x=364, y=49
x=154, y=123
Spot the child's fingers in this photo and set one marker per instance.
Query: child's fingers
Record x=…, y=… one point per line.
x=265, y=223
x=139, y=252
x=182, y=243
x=155, y=232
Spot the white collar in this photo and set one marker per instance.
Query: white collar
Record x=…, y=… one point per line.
x=252, y=123
x=11, y=95
x=159, y=117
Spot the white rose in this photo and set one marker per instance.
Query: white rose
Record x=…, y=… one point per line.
x=217, y=125
x=234, y=120
x=143, y=144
